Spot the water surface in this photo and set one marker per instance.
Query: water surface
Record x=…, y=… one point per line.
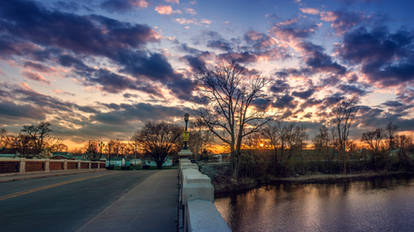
x=374, y=205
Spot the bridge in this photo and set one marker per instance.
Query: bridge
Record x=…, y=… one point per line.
x=96, y=199
x=143, y=200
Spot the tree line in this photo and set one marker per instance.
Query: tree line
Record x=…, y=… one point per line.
x=32, y=141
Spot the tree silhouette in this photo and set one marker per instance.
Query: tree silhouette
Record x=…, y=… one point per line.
x=231, y=91
x=159, y=140
x=344, y=113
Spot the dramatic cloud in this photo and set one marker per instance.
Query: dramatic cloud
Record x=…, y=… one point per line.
x=279, y=86
x=95, y=35
x=285, y=101
x=319, y=61
x=262, y=104
x=386, y=58
x=292, y=32
x=303, y=94
x=196, y=63
x=13, y=113
x=353, y=89
x=138, y=112
x=342, y=21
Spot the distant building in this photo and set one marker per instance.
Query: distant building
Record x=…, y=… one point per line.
x=62, y=155
x=11, y=156
x=151, y=163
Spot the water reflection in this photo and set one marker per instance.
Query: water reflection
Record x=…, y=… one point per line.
x=375, y=205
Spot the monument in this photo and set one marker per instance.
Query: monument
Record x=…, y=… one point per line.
x=185, y=152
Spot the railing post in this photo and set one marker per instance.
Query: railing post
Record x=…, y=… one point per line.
x=79, y=164
x=22, y=167
x=47, y=165
x=65, y=165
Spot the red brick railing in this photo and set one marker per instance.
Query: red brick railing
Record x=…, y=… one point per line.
x=10, y=166
x=56, y=165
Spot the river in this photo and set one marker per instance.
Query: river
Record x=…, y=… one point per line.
x=374, y=205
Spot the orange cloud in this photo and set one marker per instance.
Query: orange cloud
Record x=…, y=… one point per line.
x=166, y=10
x=311, y=11
x=205, y=21
x=328, y=16
x=173, y=1
x=140, y=3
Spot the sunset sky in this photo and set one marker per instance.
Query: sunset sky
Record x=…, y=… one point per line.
x=99, y=69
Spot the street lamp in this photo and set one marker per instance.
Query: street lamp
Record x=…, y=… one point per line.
x=186, y=134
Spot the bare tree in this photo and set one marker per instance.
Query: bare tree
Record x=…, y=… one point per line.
x=8, y=143
x=92, y=151
x=34, y=139
x=344, y=113
x=321, y=140
x=159, y=140
x=294, y=135
x=390, y=129
x=59, y=147
x=272, y=131
x=403, y=142
x=374, y=140
x=231, y=91
x=113, y=148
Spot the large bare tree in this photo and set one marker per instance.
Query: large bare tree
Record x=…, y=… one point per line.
x=159, y=140
x=231, y=91
x=343, y=115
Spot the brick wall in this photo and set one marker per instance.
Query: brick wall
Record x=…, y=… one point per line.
x=84, y=165
x=55, y=166
x=32, y=166
x=72, y=165
x=9, y=166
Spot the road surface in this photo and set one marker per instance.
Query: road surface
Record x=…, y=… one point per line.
x=105, y=201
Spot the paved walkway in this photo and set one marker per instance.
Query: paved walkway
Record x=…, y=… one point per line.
x=149, y=206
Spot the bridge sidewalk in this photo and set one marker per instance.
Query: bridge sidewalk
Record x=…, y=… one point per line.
x=149, y=206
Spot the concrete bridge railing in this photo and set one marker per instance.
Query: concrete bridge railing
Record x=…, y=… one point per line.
x=11, y=166
x=196, y=200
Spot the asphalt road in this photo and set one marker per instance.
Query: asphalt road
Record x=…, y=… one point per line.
x=68, y=203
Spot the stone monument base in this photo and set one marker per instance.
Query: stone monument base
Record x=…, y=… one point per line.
x=185, y=153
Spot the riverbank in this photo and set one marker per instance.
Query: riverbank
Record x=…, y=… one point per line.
x=224, y=185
